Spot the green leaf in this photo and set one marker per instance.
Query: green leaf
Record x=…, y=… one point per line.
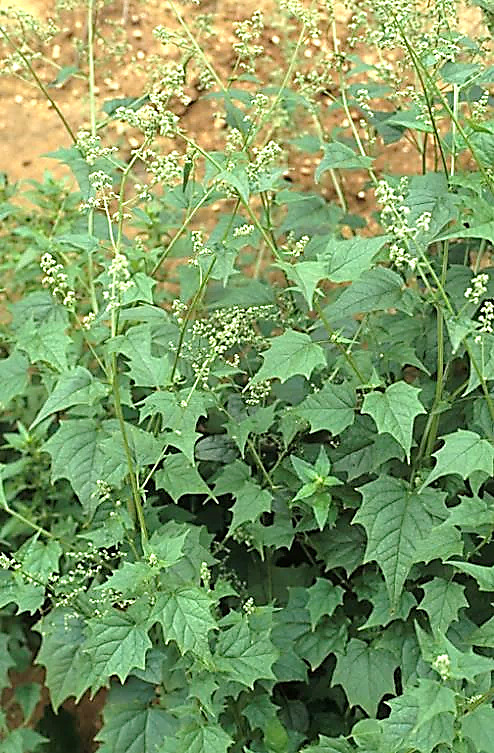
x=483, y=635
x=130, y=580
x=132, y=723
x=329, y=637
x=421, y=718
x=237, y=178
x=478, y=726
x=394, y=411
x=306, y=276
x=337, y=155
x=463, y=664
x=395, y=519
x=22, y=740
x=250, y=503
x=117, y=644
x=342, y=546
x=145, y=369
x=179, y=412
x=379, y=289
x=133, y=103
x=463, y=453
x=39, y=558
x=366, y=674
x=185, y=617
x=203, y=738
x=77, y=455
x=473, y=512
x=442, y=541
x=68, y=667
x=289, y=354
x=6, y=661
x=331, y=408
x=178, y=477
x=329, y=745
x=81, y=169
x=64, y=74
x=244, y=655
x=14, y=587
x=412, y=119
x=323, y=598
x=365, y=451
x=483, y=575
x=168, y=545
x=458, y=328
x=346, y=261
x=14, y=377
x=442, y=601
x=28, y=696
x=258, y=422
x=45, y=342
x=75, y=387
x=382, y=611
x=144, y=447
x=275, y=736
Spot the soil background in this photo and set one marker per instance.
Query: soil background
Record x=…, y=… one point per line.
x=30, y=128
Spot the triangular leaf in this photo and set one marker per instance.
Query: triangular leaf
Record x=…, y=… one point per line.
x=394, y=411
x=117, y=643
x=463, y=453
x=347, y=260
x=185, y=617
x=366, y=674
x=395, y=519
x=289, y=354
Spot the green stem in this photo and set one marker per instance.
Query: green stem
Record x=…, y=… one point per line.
x=334, y=339
x=135, y=504
x=181, y=229
x=5, y=506
x=92, y=119
x=190, y=310
x=40, y=84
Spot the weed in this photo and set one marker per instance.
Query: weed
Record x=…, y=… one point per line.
x=251, y=493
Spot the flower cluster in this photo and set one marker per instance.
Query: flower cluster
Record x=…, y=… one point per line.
x=243, y=230
x=205, y=575
x=164, y=169
x=87, y=321
x=248, y=32
x=149, y=119
x=307, y=16
x=442, y=665
x=56, y=280
x=120, y=281
x=479, y=108
x=264, y=160
x=295, y=248
x=249, y=606
x=199, y=249
x=478, y=287
x=256, y=392
x=222, y=336
x=91, y=148
x=394, y=217
x=313, y=82
x=486, y=317
x=172, y=82
x=103, y=193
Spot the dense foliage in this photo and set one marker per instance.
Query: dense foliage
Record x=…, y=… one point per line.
x=252, y=494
